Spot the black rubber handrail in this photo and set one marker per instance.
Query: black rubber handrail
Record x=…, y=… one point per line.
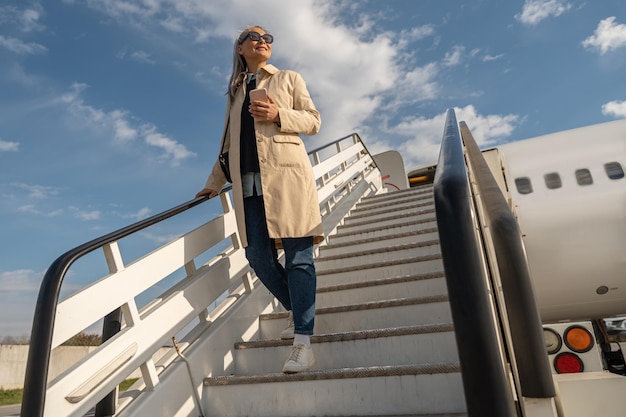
x=521, y=307
x=487, y=391
x=35, y=380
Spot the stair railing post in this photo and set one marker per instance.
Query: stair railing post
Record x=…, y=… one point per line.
x=111, y=325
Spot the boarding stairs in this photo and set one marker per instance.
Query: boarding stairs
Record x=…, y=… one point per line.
x=384, y=340
x=394, y=334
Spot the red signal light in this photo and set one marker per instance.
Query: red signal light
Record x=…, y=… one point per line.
x=568, y=363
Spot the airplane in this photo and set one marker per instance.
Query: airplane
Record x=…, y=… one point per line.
x=568, y=192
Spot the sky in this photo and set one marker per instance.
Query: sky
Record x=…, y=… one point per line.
x=111, y=110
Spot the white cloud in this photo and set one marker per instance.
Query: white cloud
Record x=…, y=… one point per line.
x=425, y=140
x=142, y=57
x=418, y=84
x=614, y=108
x=426, y=133
x=9, y=146
x=361, y=64
x=20, y=280
x=607, y=36
x=534, y=11
x=159, y=239
x=120, y=124
x=19, y=288
x=37, y=191
x=140, y=215
x=486, y=129
x=375, y=72
x=418, y=32
x=33, y=209
x=84, y=214
x=26, y=19
x=88, y=215
x=173, y=24
x=173, y=150
x=22, y=48
x=453, y=57
x=123, y=131
x=29, y=19
x=28, y=208
x=121, y=8
x=488, y=58
x=54, y=213
x=17, y=75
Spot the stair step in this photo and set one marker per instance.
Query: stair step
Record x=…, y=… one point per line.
x=432, y=343
x=327, y=374
x=367, y=316
x=375, y=390
x=391, y=219
x=342, y=237
x=381, y=211
x=394, y=196
x=397, y=267
x=364, y=207
x=385, y=240
x=382, y=289
x=364, y=258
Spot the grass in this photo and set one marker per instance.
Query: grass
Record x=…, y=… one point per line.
x=14, y=396
x=127, y=383
x=10, y=396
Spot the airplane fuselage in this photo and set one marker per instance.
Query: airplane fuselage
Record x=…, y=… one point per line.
x=569, y=192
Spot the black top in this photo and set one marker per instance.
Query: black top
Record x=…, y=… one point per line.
x=249, y=155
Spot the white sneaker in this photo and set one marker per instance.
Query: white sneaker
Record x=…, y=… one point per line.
x=287, y=333
x=300, y=359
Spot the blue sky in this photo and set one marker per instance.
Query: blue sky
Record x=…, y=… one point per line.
x=111, y=110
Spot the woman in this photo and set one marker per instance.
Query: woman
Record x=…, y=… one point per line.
x=274, y=190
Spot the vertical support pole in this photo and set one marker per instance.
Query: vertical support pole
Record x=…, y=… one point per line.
x=111, y=325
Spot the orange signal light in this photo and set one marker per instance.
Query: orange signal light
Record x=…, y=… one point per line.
x=578, y=339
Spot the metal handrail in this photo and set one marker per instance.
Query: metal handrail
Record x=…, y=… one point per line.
x=39, y=352
x=329, y=144
x=521, y=307
x=485, y=383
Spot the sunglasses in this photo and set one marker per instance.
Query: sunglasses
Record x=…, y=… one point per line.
x=256, y=36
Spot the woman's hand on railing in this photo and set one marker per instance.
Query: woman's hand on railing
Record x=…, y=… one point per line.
x=207, y=192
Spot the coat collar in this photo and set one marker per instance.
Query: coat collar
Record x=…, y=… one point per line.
x=270, y=69
x=267, y=69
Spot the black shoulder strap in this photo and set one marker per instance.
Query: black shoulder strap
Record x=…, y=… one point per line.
x=226, y=128
x=224, y=136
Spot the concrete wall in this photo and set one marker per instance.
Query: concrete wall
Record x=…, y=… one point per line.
x=13, y=362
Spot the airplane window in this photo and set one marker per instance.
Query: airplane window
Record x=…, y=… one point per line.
x=553, y=180
x=583, y=177
x=614, y=170
x=523, y=185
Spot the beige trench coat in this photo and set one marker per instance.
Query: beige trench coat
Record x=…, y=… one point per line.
x=289, y=187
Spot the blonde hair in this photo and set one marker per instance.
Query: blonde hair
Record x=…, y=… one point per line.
x=239, y=63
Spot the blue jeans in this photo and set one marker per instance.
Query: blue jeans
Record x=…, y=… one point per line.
x=294, y=284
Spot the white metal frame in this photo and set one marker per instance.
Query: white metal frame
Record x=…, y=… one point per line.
x=204, y=295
